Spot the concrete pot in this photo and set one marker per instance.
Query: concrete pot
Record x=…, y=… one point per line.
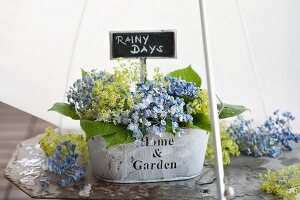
x=163, y=158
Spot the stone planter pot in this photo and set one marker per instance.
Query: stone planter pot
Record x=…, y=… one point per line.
x=160, y=158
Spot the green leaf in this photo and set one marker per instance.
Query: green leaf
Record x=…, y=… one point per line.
x=112, y=134
x=191, y=125
x=117, y=139
x=187, y=74
x=202, y=121
x=187, y=99
x=83, y=73
x=65, y=109
x=230, y=110
x=169, y=127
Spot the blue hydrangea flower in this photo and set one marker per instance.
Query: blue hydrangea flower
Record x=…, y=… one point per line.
x=45, y=181
x=179, y=87
x=63, y=163
x=80, y=93
x=267, y=139
x=155, y=111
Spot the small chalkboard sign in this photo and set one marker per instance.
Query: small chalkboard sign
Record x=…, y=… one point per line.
x=159, y=44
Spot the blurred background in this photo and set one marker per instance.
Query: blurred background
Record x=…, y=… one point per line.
x=254, y=52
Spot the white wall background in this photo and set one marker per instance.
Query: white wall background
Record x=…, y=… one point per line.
x=254, y=47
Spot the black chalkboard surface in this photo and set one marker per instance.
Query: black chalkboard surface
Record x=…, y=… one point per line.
x=143, y=44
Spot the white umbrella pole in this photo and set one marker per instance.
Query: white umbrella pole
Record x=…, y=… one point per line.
x=214, y=117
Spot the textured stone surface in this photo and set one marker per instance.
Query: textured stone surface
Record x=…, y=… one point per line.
x=24, y=171
x=158, y=159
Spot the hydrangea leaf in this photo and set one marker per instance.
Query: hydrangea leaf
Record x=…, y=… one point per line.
x=201, y=121
x=65, y=109
x=187, y=74
x=117, y=138
x=187, y=99
x=190, y=125
x=169, y=127
x=113, y=134
x=230, y=110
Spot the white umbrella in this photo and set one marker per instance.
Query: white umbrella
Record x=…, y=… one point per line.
x=254, y=48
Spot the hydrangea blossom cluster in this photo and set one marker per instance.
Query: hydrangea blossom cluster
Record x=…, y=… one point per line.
x=275, y=125
x=179, y=87
x=51, y=138
x=80, y=93
x=63, y=163
x=103, y=96
x=267, y=139
x=154, y=111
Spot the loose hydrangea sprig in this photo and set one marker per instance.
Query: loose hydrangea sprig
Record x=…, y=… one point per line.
x=279, y=128
x=267, y=139
x=51, y=138
x=63, y=163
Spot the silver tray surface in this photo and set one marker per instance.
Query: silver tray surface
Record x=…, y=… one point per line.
x=24, y=171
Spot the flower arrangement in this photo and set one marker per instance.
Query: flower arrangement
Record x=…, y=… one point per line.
x=123, y=110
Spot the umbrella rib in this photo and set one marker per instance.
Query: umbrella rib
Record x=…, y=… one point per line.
x=73, y=53
x=251, y=55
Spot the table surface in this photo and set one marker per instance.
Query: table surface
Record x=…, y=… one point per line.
x=24, y=170
x=15, y=126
